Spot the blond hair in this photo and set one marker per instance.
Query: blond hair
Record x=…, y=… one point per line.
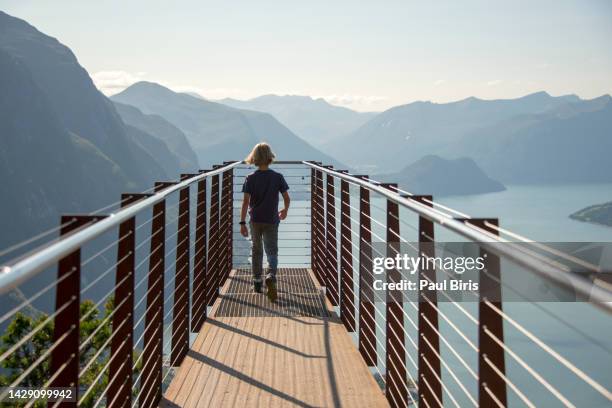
x=261, y=155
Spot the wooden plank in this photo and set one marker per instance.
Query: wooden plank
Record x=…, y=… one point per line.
x=244, y=389
x=273, y=361
x=199, y=372
x=185, y=381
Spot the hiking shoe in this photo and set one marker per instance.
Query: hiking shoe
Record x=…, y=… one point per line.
x=271, y=285
x=257, y=287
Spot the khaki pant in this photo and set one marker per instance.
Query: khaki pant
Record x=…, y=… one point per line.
x=264, y=237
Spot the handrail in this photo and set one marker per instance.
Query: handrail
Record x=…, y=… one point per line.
x=12, y=276
x=597, y=295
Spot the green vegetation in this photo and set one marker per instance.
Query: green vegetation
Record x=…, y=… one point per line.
x=598, y=214
x=93, y=324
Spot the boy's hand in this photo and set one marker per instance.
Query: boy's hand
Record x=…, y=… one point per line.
x=244, y=230
x=282, y=214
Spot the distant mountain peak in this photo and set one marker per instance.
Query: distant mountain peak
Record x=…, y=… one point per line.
x=605, y=98
x=290, y=98
x=149, y=89
x=312, y=118
x=215, y=131
x=545, y=96
x=286, y=96
x=194, y=94
x=147, y=85
x=9, y=21
x=537, y=94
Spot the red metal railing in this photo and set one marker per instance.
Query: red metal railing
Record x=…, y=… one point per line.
x=136, y=356
x=431, y=386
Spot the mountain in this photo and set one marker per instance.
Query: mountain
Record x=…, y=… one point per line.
x=63, y=147
x=195, y=95
x=168, y=161
x=314, y=120
x=581, y=106
x=598, y=214
x=43, y=166
x=570, y=144
x=406, y=133
x=180, y=157
x=78, y=104
x=215, y=131
x=441, y=177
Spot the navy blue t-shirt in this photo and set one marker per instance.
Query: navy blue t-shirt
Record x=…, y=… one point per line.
x=264, y=187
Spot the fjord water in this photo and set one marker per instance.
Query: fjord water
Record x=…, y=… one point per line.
x=540, y=212
x=574, y=330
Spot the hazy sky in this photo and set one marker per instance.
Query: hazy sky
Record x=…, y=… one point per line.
x=366, y=55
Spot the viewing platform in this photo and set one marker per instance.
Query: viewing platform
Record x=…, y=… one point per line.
x=149, y=302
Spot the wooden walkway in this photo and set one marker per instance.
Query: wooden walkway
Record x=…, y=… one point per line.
x=252, y=353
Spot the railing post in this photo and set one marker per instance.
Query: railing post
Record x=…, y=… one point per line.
x=430, y=388
x=213, y=241
x=313, y=231
x=223, y=229
x=331, y=246
x=150, y=387
x=180, y=311
x=198, y=302
x=226, y=225
x=119, y=393
x=367, y=324
x=65, y=357
x=491, y=386
x=318, y=212
x=347, y=291
x=396, y=384
x=230, y=221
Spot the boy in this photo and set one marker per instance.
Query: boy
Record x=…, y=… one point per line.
x=261, y=189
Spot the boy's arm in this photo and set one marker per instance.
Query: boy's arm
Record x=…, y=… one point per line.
x=286, y=200
x=245, y=207
x=243, y=212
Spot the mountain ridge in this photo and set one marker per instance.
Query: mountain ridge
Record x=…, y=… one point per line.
x=215, y=131
x=443, y=177
x=314, y=119
x=405, y=133
x=64, y=147
x=545, y=148
x=180, y=157
x=31, y=166
x=79, y=105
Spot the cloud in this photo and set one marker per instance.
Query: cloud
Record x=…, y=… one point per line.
x=111, y=82
x=543, y=65
x=439, y=82
x=494, y=82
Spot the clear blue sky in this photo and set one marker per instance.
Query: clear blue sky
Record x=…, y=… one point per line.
x=364, y=55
